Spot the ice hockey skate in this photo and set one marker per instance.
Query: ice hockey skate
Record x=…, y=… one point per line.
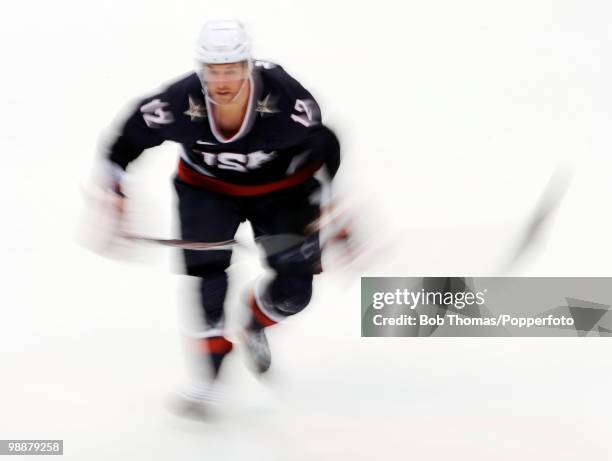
x=199, y=401
x=257, y=349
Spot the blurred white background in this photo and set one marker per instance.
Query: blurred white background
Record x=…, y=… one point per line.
x=452, y=115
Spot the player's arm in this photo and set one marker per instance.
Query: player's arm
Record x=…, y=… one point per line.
x=321, y=142
x=147, y=125
x=323, y=147
x=143, y=129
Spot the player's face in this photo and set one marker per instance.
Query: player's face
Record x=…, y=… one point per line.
x=223, y=81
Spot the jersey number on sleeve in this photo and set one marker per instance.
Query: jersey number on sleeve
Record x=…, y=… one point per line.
x=308, y=113
x=154, y=114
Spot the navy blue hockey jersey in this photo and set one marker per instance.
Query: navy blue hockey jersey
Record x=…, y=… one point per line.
x=280, y=144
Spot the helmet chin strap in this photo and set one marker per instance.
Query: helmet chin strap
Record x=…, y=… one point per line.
x=216, y=103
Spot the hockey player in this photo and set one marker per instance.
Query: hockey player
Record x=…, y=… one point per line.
x=251, y=139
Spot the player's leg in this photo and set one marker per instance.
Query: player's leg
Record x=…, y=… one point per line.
x=208, y=217
x=288, y=292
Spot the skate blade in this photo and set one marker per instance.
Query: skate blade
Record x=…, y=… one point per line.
x=192, y=410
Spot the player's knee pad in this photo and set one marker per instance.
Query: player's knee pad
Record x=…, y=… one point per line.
x=290, y=294
x=198, y=266
x=300, y=259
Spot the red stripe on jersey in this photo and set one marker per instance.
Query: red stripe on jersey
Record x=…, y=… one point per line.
x=216, y=345
x=259, y=316
x=193, y=178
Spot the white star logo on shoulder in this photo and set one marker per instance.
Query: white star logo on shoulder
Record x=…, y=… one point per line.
x=267, y=106
x=196, y=111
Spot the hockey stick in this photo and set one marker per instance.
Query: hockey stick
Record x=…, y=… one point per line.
x=273, y=244
x=288, y=247
x=184, y=244
x=292, y=244
x=548, y=203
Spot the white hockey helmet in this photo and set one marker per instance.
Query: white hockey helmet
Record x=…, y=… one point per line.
x=223, y=42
